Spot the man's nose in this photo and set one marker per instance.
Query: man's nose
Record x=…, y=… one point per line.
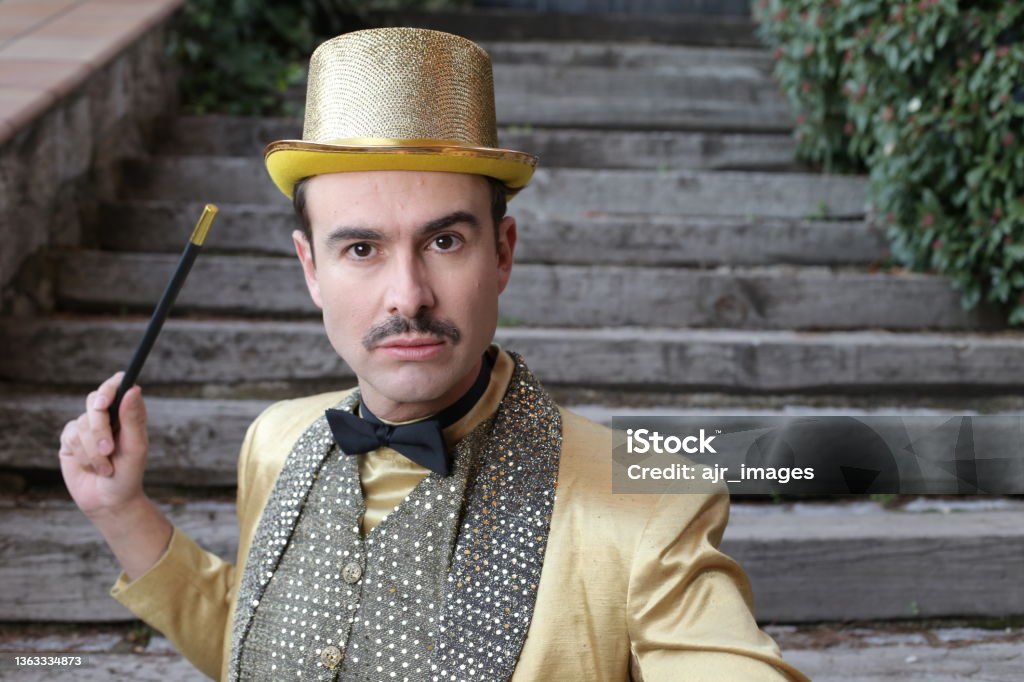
x=409, y=287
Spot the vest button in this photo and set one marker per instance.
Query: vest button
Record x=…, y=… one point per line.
x=352, y=572
x=330, y=656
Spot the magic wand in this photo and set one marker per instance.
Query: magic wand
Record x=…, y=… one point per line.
x=188, y=256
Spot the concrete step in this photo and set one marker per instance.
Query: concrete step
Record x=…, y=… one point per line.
x=247, y=137
x=626, y=9
x=567, y=192
x=848, y=653
x=737, y=98
x=594, y=238
x=774, y=297
x=806, y=562
x=83, y=351
x=741, y=63
x=667, y=90
x=100, y=655
x=663, y=151
x=633, y=86
x=825, y=653
x=194, y=441
x=506, y=25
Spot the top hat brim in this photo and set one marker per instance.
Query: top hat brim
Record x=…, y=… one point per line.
x=289, y=161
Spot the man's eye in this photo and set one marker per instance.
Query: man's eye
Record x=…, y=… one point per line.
x=446, y=242
x=361, y=250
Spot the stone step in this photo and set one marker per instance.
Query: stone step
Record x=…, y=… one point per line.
x=164, y=226
x=566, y=191
x=247, y=137
x=194, y=442
x=930, y=655
x=806, y=562
x=103, y=657
x=846, y=652
x=740, y=63
x=774, y=297
x=506, y=25
x=83, y=351
x=625, y=9
x=738, y=98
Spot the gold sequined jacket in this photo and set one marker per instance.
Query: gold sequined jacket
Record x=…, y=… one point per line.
x=633, y=587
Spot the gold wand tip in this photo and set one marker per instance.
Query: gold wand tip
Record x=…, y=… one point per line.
x=203, y=226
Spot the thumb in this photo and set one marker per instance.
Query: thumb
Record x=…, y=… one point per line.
x=133, y=439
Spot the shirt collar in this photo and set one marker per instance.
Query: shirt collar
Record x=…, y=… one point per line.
x=486, y=405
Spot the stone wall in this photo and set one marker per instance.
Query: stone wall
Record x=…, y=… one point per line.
x=55, y=171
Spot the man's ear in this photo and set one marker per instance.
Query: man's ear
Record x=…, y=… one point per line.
x=506, y=250
x=304, y=250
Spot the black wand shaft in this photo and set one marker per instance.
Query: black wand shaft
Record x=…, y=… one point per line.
x=163, y=308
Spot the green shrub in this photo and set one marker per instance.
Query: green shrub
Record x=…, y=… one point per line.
x=928, y=97
x=242, y=56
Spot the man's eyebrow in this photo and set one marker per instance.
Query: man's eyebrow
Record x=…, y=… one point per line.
x=347, y=234
x=453, y=218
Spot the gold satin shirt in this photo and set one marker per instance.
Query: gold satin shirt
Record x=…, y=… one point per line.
x=633, y=586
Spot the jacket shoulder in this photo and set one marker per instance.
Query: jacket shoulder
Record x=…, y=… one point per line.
x=274, y=432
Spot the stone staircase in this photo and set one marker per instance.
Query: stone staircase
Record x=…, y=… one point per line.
x=673, y=258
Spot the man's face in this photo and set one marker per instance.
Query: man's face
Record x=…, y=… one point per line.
x=407, y=273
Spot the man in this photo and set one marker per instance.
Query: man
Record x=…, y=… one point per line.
x=410, y=529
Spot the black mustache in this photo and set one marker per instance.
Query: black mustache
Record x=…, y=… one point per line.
x=422, y=324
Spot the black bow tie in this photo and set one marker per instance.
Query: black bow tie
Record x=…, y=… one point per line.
x=421, y=441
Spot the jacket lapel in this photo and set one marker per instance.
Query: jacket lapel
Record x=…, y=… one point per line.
x=495, y=570
x=277, y=523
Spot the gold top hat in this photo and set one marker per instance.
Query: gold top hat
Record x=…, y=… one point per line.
x=398, y=99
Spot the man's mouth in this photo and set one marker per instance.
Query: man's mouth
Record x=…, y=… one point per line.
x=412, y=343
x=412, y=349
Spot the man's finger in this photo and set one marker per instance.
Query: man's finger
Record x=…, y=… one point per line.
x=91, y=457
x=133, y=438
x=68, y=438
x=108, y=389
x=96, y=407
x=99, y=423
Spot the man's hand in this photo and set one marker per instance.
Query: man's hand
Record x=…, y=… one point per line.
x=103, y=473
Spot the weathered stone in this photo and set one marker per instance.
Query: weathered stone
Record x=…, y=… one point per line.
x=194, y=442
x=191, y=442
x=859, y=654
x=576, y=148
x=69, y=150
x=652, y=58
x=809, y=562
x=558, y=295
x=567, y=192
x=85, y=351
x=50, y=544
x=164, y=226
x=805, y=564
x=512, y=25
x=984, y=662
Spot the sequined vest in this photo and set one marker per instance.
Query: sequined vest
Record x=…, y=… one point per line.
x=442, y=588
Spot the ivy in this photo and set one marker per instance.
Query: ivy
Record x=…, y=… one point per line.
x=243, y=57
x=927, y=98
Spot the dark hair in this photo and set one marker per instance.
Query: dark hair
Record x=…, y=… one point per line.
x=499, y=203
